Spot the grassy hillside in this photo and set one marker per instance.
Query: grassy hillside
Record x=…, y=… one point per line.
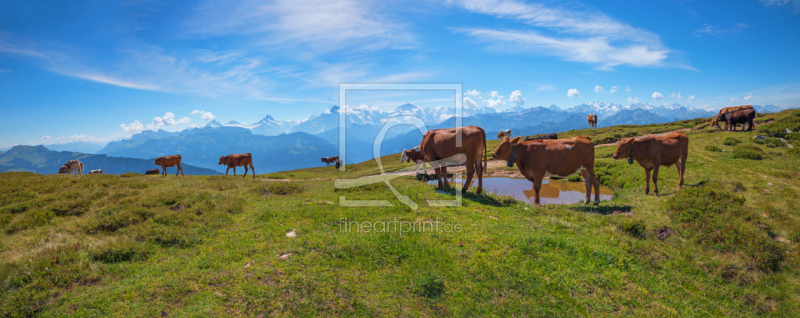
x=216, y=246
x=41, y=160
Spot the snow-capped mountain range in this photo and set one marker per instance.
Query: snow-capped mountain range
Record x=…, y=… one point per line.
x=371, y=116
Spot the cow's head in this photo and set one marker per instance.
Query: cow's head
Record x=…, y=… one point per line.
x=506, y=133
x=404, y=156
x=158, y=161
x=63, y=169
x=503, y=151
x=222, y=160
x=623, y=149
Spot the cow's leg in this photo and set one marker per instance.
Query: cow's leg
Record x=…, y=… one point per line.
x=655, y=179
x=537, y=186
x=646, y=180
x=438, y=172
x=245, y=171
x=596, y=184
x=587, y=180
x=479, y=170
x=681, y=170
x=470, y=173
x=180, y=169
x=164, y=173
x=253, y=170
x=226, y=170
x=234, y=171
x=444, y=176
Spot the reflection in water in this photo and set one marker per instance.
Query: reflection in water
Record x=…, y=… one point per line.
x=554, y=192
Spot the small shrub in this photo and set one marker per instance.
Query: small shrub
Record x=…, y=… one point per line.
x=575, y=178
x=738, y=186
x=794, y=151
x=634, y=228
x=713, y=148
x=29, y=220
x=119, y=251
x=430, y=286
x=117, y=217
x=630, y=134
x=774, y=142
x=130, y=175
x=730, y=141
x=744, y=152
x=793, y=136
x=281, y=188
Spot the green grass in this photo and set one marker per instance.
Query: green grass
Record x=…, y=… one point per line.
x=210, y=246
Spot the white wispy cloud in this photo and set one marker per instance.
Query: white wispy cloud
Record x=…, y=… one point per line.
x=207, y=116
x=133, y=128
x=633, y=100
x=310, y=26
x=469, y=103
x=546, y=88
x=716, y=30
x=474, y=93
x=627, y=88
x=781, y=3
x=167, y=120
x=516, y=98
x=573, y=93
x=748, y=96
x=657, y=96
x=613, y=89
x=691, y=98
x=590, y=37
x=48, y=140
x=734, y=98
x=5, y=71
x=599, y=89
x=495, y=102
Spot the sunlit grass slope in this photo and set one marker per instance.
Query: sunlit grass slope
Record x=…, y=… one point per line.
x=132, y=245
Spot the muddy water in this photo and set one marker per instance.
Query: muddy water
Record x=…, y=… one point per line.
x=553, y=191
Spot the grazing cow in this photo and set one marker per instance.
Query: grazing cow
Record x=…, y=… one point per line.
x=536, y=159
x=233, y=161
x=547, y=136
x=654, y=152
x=339, y=163
x=329, y=160
x=715, y=120
x=169, y=161
x=72, y=166
x=416, y=156
x=152, y=171
x=506, y=133
x=741, y=116
x=98, y=171
x=440, y=144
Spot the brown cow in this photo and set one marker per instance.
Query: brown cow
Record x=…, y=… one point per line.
x=329, y=160
x=742, y=116
x=440, y=144
x=416, y=156
x=654, y=152
x=151, y=171
x=536, y=159
x=170, y=161
x=72, y=166
x=715, y=120
x=592, y=120
x=233, y=161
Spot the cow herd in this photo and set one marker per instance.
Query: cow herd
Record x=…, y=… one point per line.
x=232, y=161
x=535, y=158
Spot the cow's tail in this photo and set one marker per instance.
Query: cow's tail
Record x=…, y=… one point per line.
x=485, y=165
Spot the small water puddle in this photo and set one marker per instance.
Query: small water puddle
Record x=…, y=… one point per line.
x=552, y=192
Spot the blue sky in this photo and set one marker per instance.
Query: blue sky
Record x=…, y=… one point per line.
x=102, y=70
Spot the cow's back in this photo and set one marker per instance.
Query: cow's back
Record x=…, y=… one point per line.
x=441, y=143
x=560, y=156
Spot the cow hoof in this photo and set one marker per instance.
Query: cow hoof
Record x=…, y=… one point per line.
x=479, y=191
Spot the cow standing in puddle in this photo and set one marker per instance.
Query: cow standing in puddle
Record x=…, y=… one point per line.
x=560, y=157
x=440, y=144
x=654, y=152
